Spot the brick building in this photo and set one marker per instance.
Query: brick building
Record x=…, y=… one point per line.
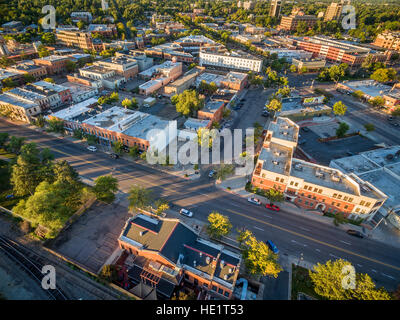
x=212, y=110
x=290, y=23
x=53, y=64
x=167, y=253
x=308, y=185
x=388, y=40
x=338, y=51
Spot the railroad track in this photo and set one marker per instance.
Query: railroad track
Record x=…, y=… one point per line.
x=74, y=278
x=31, y=267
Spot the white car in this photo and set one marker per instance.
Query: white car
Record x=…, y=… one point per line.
x=91, y=148
x=186, y=213
x=254, y=201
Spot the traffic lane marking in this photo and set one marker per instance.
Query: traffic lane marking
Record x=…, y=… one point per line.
x=315, y=240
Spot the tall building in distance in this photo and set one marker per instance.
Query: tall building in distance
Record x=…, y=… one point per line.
x=275, y=8
x=290, y=23
x=334, y=11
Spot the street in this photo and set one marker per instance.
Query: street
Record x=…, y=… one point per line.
x=293, y=234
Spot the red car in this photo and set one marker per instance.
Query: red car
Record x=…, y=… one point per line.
x=272, y=207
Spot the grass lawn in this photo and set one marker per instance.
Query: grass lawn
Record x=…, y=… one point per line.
x=301, y=282
x=6, y=154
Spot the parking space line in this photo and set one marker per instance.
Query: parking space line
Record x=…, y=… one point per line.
x=258, y=228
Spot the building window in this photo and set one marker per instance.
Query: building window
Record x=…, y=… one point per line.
x=186, y=276
x=368, y=204
x=214, y=288
x=296, y=184
x=334, y=195
x=220, y=291
x=362, y=202
x=282, y=180
x=291, y=183
x=277, y=179
x=226, y=294
x=196, y=282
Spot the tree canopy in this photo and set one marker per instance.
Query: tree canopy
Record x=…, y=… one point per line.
x=218, y=225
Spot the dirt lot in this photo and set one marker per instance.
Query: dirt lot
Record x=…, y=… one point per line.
x=93, y=237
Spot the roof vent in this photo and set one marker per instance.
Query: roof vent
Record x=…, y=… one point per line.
x=142, y=233
x=222, y=263
x=275, y=162
x=208, y=260
x=225, y=277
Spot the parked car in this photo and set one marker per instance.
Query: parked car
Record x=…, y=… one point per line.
x=305, y=129
x=114, y=155
x=254, y=201
x=92, y=148
x=355, y=233
x=265, y=113
x=211, y=173
x=390, y=118
x=302, y=141
x=272, y=207
x=186, y=213
x=272, y=246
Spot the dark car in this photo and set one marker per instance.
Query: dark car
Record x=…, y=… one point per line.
x=355, y=233
x=114, y=155
x=272, y=246
x=305, y=129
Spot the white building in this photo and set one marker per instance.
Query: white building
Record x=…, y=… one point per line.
x=233, y=60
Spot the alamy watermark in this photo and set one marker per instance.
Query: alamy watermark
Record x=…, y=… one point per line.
x=49, y=279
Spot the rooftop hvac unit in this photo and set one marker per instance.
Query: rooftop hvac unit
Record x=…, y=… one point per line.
x=141, y=233
x=298, y=167
x=275, y=162
x=225, y=277
x=335, y=177
x=276, y=153
x=222, y=264
x=230, y=270
x=208, y=260
x=319, y=174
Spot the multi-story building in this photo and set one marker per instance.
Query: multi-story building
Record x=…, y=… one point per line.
x=53, y=64
x=290, y=23
x=275, y=8
x=81, y=15
x=184, y=82
x=80, y=92
x=312, y=64
x=29, y=68
x=131, y=128
x=159, y=75
x=388, y=40
x=167, y=253
x=123, y=65
x=309, y=185
x=235, y=81
x=233, y=60
x=58, y=95
x=77, y=39
x=338, y=51
x=108, y=77
x=334, y=11
x=372, y=89
x=213, y=110
x=142, y=60
x=18, y=109
x=105, y=30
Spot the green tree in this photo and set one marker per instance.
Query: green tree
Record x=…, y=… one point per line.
x=105, y=188
x=48, y=38
x=369, y=127
x=358, y=94
x=342, y=129
x=274, y=195
x=43, y=51
x=187, y=102
x=384, y=75
x=258, y=258
x=274, y=105
x=161, y=205
x=223, y=171
x=26, y=174
x=55, y=125
x=339, y=108
x=51, y=80
x=70, y=65
x=109, y=273
x=293, y=68
x=3, y=139
x=328, y=282
x=134, y=151
x=377, y=101
x=15, y=144
x=28, y=78
x=117, y=147
x=139, y=197
x=218, y=225
x=127, y=103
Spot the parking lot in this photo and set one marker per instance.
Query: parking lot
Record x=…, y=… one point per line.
x=324, y=152
x=93, y=237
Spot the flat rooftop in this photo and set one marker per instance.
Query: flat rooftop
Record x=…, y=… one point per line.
x=8, y=99
x=213, y=106
x=235, y=77
x=196, y=124
x=369, y=87
x=44, y=85
x=285, y=129
x=210, y=77
x=167, y=65
x=276, y=158
x=76, y=88
x=71, y=113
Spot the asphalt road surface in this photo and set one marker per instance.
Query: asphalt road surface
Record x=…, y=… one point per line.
x=293, y=234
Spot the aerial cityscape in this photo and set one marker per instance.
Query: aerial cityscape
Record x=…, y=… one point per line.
x=205, y=150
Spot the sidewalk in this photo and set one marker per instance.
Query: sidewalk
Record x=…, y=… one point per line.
x=382, y=233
